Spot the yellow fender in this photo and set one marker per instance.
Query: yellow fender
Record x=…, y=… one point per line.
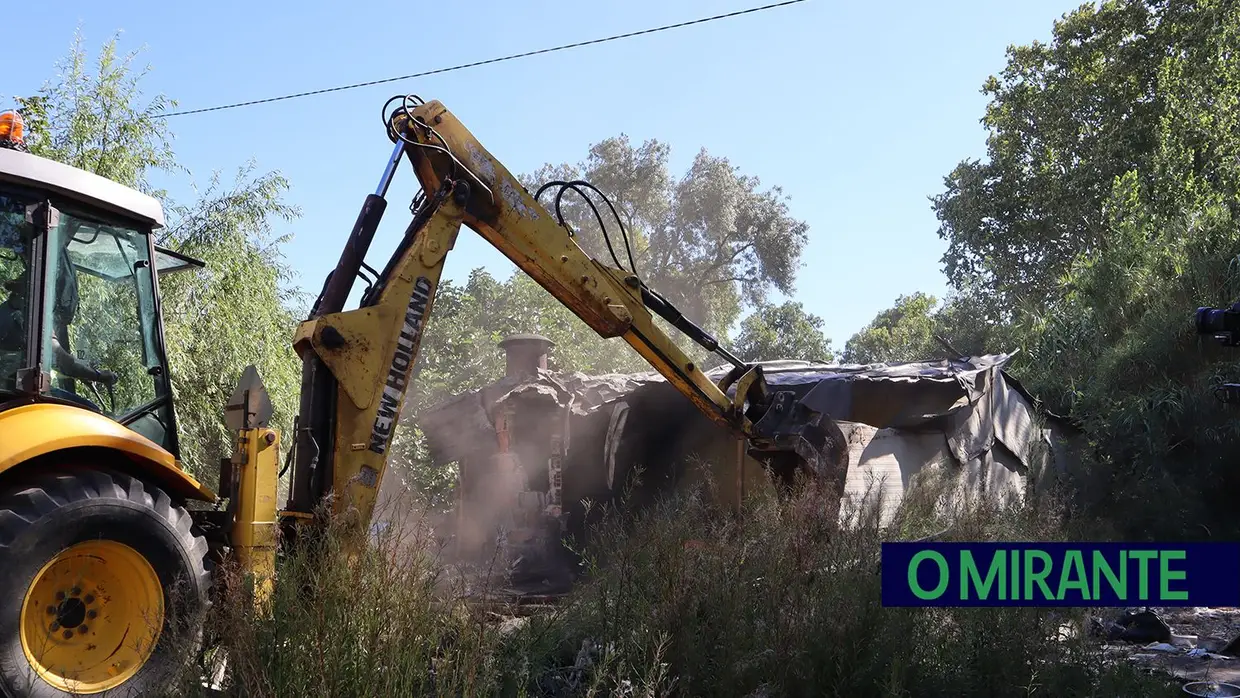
x=31, y=431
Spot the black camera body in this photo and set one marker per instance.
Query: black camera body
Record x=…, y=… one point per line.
x=1224, y=325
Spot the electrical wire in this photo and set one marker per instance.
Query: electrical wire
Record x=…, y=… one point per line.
x=475, y=64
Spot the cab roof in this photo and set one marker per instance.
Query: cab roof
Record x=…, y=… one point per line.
x=31, y=170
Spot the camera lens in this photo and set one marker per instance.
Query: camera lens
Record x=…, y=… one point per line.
x=1210, y=321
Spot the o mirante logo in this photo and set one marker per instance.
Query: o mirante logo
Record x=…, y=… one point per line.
x=1060, y=574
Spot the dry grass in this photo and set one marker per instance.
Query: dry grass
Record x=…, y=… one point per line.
x=772, y=603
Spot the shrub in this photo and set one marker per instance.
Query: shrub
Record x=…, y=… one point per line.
x=678, y=599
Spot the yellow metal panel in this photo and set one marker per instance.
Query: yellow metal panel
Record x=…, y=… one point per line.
x=358, y=356
x=302, y=337
x=34, y=430
x=378, y=354
x=256, y=462
x=523, y=231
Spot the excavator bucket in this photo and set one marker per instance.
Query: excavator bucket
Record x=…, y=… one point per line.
x=795, y=439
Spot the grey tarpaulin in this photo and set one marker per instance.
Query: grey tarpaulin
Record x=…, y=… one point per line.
x=969, y=400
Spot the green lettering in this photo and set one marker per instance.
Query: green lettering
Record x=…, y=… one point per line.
x=1102, y=568
x=1143, y=579
x=917, y=589
x=970, y=573
x=1038, y=578
x=1073, y=565
x=1014, y=580
x=1166, y=575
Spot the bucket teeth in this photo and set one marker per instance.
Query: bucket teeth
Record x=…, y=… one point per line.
x=808, y=441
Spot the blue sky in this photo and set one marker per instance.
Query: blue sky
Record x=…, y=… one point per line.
x=857, y=110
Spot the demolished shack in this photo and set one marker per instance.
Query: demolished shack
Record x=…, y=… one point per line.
x=570, y=437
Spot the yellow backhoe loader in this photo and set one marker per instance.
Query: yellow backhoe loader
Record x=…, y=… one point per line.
x=104, y=560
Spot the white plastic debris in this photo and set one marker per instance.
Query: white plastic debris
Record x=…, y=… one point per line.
x=1184, y=640
x=1202, y=653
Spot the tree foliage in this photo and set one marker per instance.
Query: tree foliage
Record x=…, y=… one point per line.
x=904, y=332
x=1103, y=215
x=911, y=329
x=783, y=331
x=235, y=312
x=1120, y=84
x=711, y=241
x=239, y=310
x=97, y=119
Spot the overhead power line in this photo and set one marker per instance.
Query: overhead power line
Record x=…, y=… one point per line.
x=488, y=61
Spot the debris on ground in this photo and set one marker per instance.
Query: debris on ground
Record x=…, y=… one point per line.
x=1140, y=626
x=1194, y=644
x=1189, y=641
x=1212, y=689
x=510, y=624
x=1200, y=653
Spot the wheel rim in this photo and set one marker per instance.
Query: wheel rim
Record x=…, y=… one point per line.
x=92, y=616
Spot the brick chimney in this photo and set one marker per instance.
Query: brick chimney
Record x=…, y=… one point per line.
x=525, y=353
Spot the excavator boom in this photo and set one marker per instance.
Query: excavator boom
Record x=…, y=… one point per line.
x=94, y=515
x=357, y=363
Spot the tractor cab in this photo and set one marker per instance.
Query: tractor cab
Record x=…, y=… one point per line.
x=80, y=317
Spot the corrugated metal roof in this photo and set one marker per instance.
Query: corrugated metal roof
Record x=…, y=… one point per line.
x=827, y=387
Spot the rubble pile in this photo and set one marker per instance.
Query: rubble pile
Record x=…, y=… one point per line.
x=1195, y=644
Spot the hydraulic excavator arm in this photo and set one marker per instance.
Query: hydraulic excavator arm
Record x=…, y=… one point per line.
x=357, y=364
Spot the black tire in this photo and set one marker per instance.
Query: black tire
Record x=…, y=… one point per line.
x=45, y=515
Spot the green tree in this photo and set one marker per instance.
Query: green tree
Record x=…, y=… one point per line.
x=971, y=325
x=1103, y=214
x=237, y=311
x=783, y=331
x=904, y=332
x=98, y=120
x=712, y=241
x=910, y=330
x=1116, y=84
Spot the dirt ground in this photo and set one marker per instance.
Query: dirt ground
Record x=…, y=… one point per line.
x=1192, y=655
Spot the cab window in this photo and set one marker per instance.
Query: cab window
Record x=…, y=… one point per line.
x=101, y=311
x=16, y=238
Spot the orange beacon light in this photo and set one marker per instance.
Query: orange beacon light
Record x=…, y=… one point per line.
x=11, y=127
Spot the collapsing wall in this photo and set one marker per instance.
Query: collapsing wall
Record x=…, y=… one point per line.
x=967, y=416
x=574, y=437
